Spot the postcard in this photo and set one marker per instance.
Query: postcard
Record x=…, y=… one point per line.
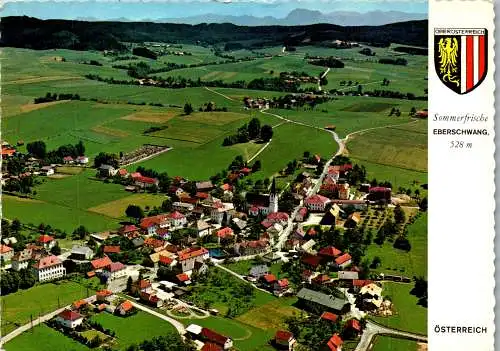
x=306, y=175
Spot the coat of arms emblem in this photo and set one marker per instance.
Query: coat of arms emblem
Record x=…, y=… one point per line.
x=460, y=57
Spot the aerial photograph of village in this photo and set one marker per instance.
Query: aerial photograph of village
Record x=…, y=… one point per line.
x=214, y=175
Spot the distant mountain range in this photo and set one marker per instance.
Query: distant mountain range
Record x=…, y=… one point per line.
x=294, y=18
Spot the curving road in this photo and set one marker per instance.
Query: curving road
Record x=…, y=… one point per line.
x=286, y=232
x=177, y=325
x=373, y=329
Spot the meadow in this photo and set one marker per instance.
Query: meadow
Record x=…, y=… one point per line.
x=39, y=300
x=399, y=262
x=43, y=338
x=386, y=343
x=407, y=315
x=134, y=329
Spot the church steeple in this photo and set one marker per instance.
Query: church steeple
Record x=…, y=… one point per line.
x=273, y=186
x=273, y=198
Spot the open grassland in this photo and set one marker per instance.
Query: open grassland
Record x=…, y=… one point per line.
x=386, y=343
x=245, y=337
x=43, y=338
x=396, y=146
x=134, y=329
x=270, y=316
x=407, y=315
x=58, y=216
x=398, y=262
x=350, y=114
x=38, y=300
x=116, y=208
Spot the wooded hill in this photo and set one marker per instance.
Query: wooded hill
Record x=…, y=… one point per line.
x=27, y=32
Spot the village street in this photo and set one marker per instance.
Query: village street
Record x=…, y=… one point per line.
x=372, y=329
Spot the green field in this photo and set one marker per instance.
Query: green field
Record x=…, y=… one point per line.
x=386, y=343
x=38, y=300
x=44, y=338
x=398, y=262
x=407, y=315
x=134, y=329
x=403, y=146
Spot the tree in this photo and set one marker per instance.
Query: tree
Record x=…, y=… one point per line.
x=375, y=262
x=166, y=205
x=266, y=132
x=423, y=204
x=256, y=166
x=306, y=154
x=134, y=211
x=55, y=250
x=254, y=128
x=106, y=159
x=15, y=226
x=188, y=108
x=399, y=215
x=37, y=149
x=80, y=148
x=129, y=284
x=80, y=233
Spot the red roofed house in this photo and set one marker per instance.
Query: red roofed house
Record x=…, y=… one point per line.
x=100, y=263
x=210, y=335
x=111, y=249
x=154, y=243
x=188, y=257
x=135, y=175
x=329, y=253
x=46, y=241
x=6, y=252
x=280, y=286
x=335, y=343
x=312, y=261
x=130, y=231
x=69, y=319
x=183, y=278
x=146, y=182
x=68, y=159
x=208, y=346
x=177, y=219
x=357, y=284
x=253, y=247
x=284, y=340
x=268, y=280
x=379, y=193
x=353, y=325
x=102, y=295
x=329, y=316
x=224, y=233
x=278, y=217
x=49, y=268
x=316, y=203
x=151, y=299
x=301, y=214
x=141, y=285
x=125, y=308
x=114, y=271
x=153, y=223
x=78, y=304
x=344, y=260
x=123, y=173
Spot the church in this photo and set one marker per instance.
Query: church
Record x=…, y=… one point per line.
x=262, y=204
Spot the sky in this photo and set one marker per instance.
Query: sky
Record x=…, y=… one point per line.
x=154, y=9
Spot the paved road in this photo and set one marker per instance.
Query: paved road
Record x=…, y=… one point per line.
x=177, y=325
x=216, y=92
x=372, y=329
x=37, y=321
x=290, y=225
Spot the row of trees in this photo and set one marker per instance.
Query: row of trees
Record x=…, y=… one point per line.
x=38, y=149
x=54, y=97
x=330, y=61
x=388, y=61
x=12, y=281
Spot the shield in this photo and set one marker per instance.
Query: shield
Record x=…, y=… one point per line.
x=461, y=57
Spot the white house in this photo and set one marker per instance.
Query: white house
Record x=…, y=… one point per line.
x=152, y=224
x=69, y=319
x=114, y=271
x=83, y=160
x=47, y=170
x=49, y=268
x=177, y=219
x=316, y=202
x=6, y=252
x=20, y=260
x=203, y=228
x=46, y=241
x=188, y=257
x=344, y=260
